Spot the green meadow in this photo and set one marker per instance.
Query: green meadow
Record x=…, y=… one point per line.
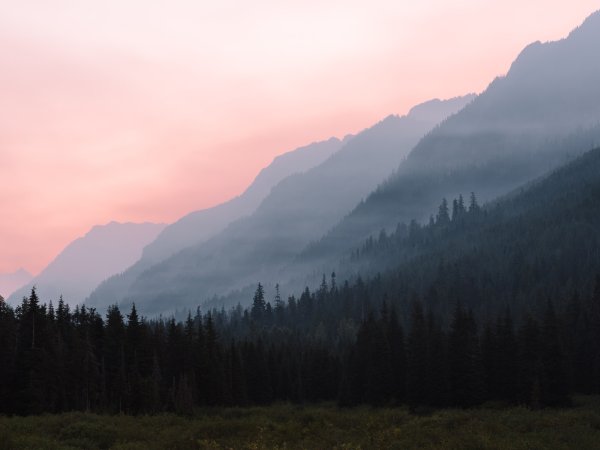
x=288, y=426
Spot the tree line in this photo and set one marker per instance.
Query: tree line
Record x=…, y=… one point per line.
x=481, y=304
x=334, y=344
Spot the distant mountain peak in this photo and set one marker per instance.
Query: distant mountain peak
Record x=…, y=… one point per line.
x=389, y=118
x=437, y=109
x=295, y=210
x=114, y=225
x=590, y=25
x=87, y=260
x=198, y=226
x=313, y=147
x=9, y=282
x=22, y=272
x=583, y=39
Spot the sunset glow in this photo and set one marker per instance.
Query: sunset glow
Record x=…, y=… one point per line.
x=144, y=111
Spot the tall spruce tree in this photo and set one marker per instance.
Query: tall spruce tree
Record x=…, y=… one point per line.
x=258, y=303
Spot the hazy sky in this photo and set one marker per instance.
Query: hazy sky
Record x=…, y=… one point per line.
x=134, y=110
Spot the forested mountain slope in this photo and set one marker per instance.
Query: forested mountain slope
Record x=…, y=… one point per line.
x=296, y=211
x=85, y=262
x=509, y=134
x=198, y=226
x=496, y=303
x=538, y=242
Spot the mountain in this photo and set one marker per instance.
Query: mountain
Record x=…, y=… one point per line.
x=198, y=226
x=9, y=282
x=88, y=260
x=295, y=212
x=538, y=242
x=511, y=133
x=488, y=305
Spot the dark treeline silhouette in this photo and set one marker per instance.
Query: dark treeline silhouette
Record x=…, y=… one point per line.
x=537, y=242
x=497, y=303
x=336, y=344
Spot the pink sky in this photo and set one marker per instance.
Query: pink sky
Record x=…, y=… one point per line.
x=134, y=110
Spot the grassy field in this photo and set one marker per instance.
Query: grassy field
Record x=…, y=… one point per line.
x=313, y=427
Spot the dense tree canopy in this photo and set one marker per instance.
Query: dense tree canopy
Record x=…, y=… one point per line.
x=334, y=345
x=493, y=303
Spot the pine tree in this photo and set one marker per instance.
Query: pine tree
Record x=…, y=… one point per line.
x=465, y=373
x=374, y=355
x=8, y=342
x=114, y=359
x=258, y=382
x=554, y=386
x=258, y=303
x=417, y=361
x=489, y=352
x=436, y=376
x=455, y=210
x=238, y=379
x=529, y=362
x=133, y=334
x=473, y=205
x=594, y=335
x=154, y=404
x=323, y=289
x=443, y=216
x=31, y=355
x=506, y=359
x=461, y=205
x=215, y=364
x=395, y=337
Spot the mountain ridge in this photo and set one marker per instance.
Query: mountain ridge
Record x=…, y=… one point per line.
x=497, y=142
x=296, y=209
x=88, y=259
x=198, y=226
x=9, y=282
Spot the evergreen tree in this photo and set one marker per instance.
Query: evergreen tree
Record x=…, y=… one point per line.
x=505, y=370
x=443, y=216
x=473, y=205
x=455, y=210
x=395, y=337
x=554, y=386
x=8, y=342
x=464, y=369
x=594, y=336
x=417, y=359
x=114, y=359
x=258, y=303
x=30, y=357
x=529, y=362
x=324, y=346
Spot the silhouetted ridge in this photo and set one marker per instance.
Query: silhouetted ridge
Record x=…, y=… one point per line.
x=296, y=211
x=513, y=132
